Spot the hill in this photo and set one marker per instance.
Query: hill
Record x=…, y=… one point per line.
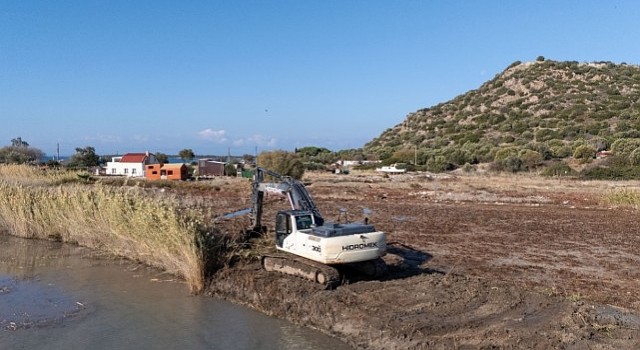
x=526, y=116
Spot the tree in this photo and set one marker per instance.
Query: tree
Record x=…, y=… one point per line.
x=311, y=151
x=438, y=164
x=248, y=158
x=162, y=158
x=186, y=154
x=540, y=58
x=84, y=158
x=18, y=142
x=282, y=162
x=20, y=152
x=230, y=170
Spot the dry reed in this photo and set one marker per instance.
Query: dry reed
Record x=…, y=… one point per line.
x=120, y=220
x=624, y=197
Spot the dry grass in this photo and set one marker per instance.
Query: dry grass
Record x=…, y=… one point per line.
x=125, y=221
x=624, y=197
x=29, y=176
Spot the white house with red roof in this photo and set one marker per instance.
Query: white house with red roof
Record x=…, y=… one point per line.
x=130, y=164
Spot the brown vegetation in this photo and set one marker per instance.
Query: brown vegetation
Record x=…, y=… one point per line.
x=126, y=221
x=476, y=260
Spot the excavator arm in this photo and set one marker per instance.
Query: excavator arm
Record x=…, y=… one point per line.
x=295, y=191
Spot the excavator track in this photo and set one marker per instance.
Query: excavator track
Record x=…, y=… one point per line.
x=324, y=275
x=372, y=269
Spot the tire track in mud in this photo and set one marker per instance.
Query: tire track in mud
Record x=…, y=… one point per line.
x=431, y=310
x=482, y=275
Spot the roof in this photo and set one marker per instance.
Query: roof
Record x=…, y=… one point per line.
x=173, y=165
x=133, y=158
x=212, y=161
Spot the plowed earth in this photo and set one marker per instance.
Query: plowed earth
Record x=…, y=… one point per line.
x=474, y=262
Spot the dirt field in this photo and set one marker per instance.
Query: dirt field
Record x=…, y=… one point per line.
x=475, y=262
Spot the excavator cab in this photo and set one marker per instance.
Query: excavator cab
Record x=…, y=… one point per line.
x=283, y=227
x=289, y=221
x=314, y=246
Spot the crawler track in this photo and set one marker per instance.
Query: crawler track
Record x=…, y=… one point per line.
x=324, y=275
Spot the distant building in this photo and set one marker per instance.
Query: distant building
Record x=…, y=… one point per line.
x=391, y=169
x=210, y=167
x=604, y=154
x=169, y=171
x=130, y=164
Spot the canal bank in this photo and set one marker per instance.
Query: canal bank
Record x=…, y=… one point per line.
x=59, y=296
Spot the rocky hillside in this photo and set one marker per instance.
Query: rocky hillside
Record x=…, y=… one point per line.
x=527, y=115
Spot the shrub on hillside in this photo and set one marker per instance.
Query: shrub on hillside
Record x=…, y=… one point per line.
x=626, y=172
x=510, y=163
x=625, y=146
x=439, y=164
x=560, y=152
x=558, y=169
x=530, y=159
x=634, y=157
x=584, y=153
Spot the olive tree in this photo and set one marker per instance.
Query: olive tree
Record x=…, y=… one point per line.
x=282, y=162
x=20, y=152
x=186, y=154
x=84, y=157
x=162, y=158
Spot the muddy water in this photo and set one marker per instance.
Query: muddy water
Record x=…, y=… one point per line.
x=58, y=296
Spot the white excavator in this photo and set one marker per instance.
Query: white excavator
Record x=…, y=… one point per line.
x=317, y=250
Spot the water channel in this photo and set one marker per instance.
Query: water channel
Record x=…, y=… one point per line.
x=58, y=296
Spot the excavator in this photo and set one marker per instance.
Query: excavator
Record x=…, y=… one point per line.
x=312, y=248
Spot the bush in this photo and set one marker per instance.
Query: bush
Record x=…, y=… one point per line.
x=611, y=173
x=282, y=162
x=561, y=152
x=558, y=169
x=634, y=157
x=625, y=146
x=584, y=153
x=438, y=164
x=230, y=170
x=503, y=153
x=512, y=164
x=530, y=159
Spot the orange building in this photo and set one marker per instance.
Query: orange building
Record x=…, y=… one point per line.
x=177, y=171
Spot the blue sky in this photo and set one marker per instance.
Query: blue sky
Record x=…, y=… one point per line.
x=130, y=76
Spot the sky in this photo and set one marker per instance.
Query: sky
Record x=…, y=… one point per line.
x=251, y=76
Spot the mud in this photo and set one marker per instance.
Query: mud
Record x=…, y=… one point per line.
x=514, y=267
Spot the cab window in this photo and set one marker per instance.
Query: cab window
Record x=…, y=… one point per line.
x=303, y=222
x=283, y=225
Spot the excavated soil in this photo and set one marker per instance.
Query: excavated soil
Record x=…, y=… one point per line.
x=474, y=262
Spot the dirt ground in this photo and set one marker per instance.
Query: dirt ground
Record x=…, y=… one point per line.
x=475, y=262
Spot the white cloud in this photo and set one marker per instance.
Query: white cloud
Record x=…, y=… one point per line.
x=213, y=135
x=140, y=138
x=256, y=140
x=101, y=138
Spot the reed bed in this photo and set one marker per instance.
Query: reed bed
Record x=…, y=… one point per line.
x=623, y=197
x=125, y=221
